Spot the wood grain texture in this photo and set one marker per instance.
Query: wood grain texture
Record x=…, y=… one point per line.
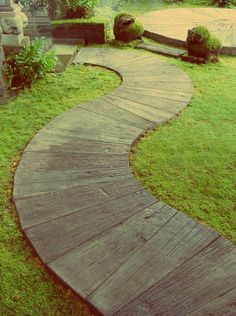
x=173, y=245
x=34, y=209
x=204, y=285
x=95, y=226
x=44, y=142
x=34, y=183
x=143, y=110
x=93, y=262
x=54, y=238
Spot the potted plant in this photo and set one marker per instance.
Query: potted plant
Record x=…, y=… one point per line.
x=201, y=43
x=77, y=9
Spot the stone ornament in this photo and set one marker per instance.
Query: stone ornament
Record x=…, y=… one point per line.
x=126, y=28
x=12, y=23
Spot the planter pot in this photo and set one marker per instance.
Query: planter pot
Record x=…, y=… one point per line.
x=197, y=50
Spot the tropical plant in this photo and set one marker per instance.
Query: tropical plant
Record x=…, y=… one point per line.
x=222, y=3
x=33, y=6
x=32, y=62
x=79, y=8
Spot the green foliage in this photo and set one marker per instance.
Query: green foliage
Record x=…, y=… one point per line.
x=73, y=4
x=33, y=6
x=125, y=14
x=202, y=31
x=79, y=8
x=31, y=63
x=106, y=14
x=213, y=43
x=222, y=3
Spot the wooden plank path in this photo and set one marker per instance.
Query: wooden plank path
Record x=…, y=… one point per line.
x=170, y=26
x=123, y=251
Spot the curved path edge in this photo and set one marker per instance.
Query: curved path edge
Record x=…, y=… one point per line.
x=94, y=225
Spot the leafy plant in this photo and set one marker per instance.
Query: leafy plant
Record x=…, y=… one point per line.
x=213, y=43
x=30, y=63
x=79, y=8
x=106, y=14
x=33, y=6
x=222, y=3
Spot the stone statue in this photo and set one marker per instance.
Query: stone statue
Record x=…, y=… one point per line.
x=12, y=23
x=57, y=8
x=126, y=28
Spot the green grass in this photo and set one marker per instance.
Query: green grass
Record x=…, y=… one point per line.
x=25, y=287
x=92, y=20
x=190, y=162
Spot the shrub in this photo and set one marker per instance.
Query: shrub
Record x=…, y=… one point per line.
x=33, y=6
x=30, y=63
x=202, y=32
x=106, y=14
x=222, y=3
x=213, y=43
x=79, y=8
x=126, y=29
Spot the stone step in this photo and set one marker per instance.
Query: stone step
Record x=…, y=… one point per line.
x=162, y=50
x=65, y=54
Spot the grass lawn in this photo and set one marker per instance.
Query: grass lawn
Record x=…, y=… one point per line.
x=190, y=162
x=25, y=288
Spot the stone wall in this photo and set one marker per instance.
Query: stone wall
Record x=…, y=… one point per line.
x=77, y=32
x=3, y=84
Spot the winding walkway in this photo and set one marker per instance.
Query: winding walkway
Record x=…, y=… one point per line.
x=170, y=26
x=94, y=225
